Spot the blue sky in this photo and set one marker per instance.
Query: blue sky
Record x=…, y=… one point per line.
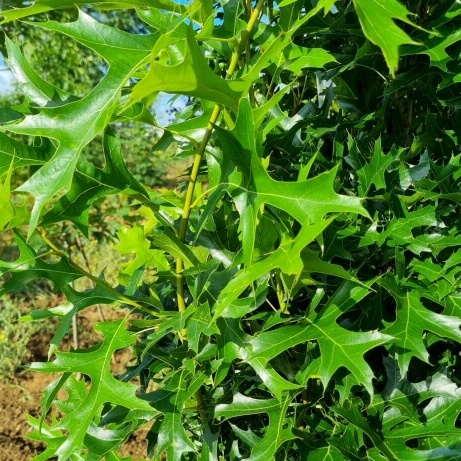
x=6, y=77
x=161, y=104
x=6, y=81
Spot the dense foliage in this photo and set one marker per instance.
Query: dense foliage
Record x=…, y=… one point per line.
x=300, y=300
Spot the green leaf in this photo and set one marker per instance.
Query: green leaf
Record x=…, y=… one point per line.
x=243, y=406
x=42, y=6
x=29, y=267
x=197, y=11
x=353, y=416
x=170, y=401
x=412, y=321
x=306, y=201
x=278, y=430
x=134, y=242
x=187, y=73
x=71, y=126
x=39, y=90
x=403, y=424
x=90, y=184
x=6, y=207
x=286, y=257
x=309, y=332
x=170, y=243
x=200, y=324
x=232, y=345
x=301, y=58
x=46, y=434
x=94, y=363
x=377, y=21
x=281, y=37
x=373, y=172
x=436, y=46
x=339, y=347
x=312, y=263
x=276, y=384
x=322, y=453
x=229, y=30
x=16, y=154
x=402, y=232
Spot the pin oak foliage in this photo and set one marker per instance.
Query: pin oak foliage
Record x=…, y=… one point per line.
x=314, y=312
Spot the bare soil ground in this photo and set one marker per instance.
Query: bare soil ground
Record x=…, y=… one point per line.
x=21, y=396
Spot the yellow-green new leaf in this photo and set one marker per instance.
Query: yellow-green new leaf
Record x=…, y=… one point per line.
x=180, y=68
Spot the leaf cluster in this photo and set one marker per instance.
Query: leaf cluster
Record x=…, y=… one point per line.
x=300, y=301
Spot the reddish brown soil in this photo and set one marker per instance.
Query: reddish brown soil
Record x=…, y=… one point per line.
x=16, y=401
x=22, y=395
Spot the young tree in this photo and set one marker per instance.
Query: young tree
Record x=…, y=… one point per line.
x=306, y=301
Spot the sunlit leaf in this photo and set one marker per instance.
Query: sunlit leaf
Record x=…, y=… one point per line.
x=73, y=125
x=306, y=201
x=94, y=363
x=6, y=207
x=413, y=320
x=187, y=73
x=378, y=23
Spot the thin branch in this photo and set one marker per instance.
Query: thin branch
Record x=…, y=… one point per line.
x=199, y=156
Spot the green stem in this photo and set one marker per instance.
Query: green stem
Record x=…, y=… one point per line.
x=280, y=293
x=187, y=204
x=201, y=408
x=199, y=156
